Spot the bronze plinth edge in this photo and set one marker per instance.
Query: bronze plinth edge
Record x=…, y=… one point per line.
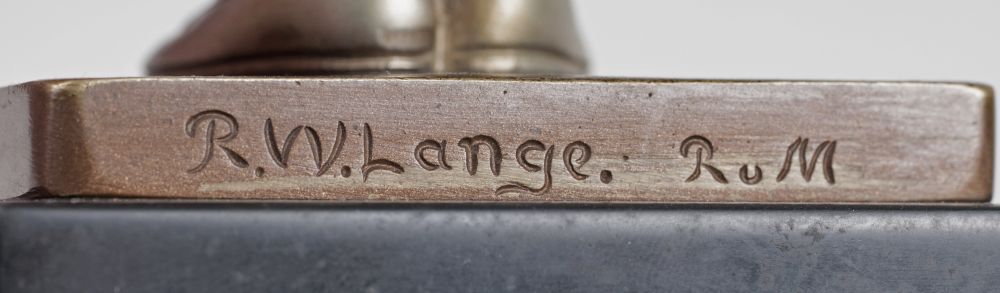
x=499, y=139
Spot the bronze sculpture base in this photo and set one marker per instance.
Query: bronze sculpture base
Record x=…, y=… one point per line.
x=467, y=138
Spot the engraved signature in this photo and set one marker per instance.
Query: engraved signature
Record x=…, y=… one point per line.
x=221, y=128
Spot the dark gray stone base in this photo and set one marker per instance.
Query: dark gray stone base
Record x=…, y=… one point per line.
x=172, y=246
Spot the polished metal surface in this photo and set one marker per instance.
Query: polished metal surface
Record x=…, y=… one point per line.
x=465, y=138
x=376, y=135
x=265, y=37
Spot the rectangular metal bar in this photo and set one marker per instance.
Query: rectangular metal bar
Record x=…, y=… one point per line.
x=172, y=246
x=499, y=139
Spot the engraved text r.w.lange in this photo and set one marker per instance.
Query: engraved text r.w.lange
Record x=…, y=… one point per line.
x=218, y=131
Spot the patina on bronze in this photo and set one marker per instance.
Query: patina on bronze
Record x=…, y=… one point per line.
x=474, y=137
x=266, y=37
x=499, y=139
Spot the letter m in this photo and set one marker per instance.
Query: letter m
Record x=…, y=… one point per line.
x=825, y=149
